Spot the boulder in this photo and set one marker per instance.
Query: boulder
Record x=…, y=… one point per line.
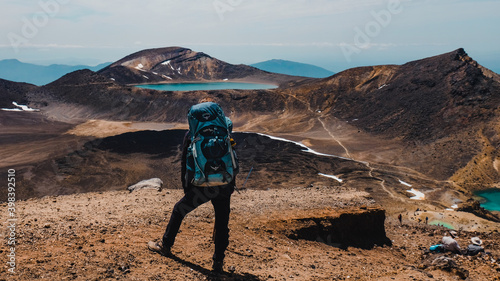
x=154, y=183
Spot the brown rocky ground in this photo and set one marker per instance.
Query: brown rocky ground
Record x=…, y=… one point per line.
x=103, y=236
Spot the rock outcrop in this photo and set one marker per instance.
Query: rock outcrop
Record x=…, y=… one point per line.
x=474, y=207
x=362, y=228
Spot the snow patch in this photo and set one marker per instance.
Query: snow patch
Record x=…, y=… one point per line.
x=20, y=108
x=331, y=176
x=140, y=66
x=306, y=149
x=404, y=183
x=145, y=76
x=418, y=195
x=12, y=109
x=166, y=62
x=166, y=77
x=385, y=85
x=225, y=79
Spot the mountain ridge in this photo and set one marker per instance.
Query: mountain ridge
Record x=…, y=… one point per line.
x=17, y=71
x=178, y=64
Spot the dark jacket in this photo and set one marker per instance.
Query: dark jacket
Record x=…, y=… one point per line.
x=185, y=179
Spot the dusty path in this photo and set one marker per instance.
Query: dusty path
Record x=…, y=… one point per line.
x=382, y=181
x=348, y=155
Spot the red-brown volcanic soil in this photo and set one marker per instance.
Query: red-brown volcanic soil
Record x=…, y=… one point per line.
x=103, y=236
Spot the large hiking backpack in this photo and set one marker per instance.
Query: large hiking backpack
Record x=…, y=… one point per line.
x=210, y=157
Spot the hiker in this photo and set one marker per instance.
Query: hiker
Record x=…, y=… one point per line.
x=449, y=242
x=207, y=142
x=475, y=248
x=400, y=218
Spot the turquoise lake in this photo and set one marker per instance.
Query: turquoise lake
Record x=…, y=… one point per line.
x=207, y=86
x=491, y=199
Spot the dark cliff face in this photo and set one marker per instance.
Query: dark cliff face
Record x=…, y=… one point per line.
x=180, y=64
x=361, y=228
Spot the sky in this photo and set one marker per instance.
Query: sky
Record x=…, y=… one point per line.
x=333, y=34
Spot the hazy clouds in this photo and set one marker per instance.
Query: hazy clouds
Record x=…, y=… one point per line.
x=335, y=34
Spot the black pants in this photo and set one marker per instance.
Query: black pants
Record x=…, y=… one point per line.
x=195, y=196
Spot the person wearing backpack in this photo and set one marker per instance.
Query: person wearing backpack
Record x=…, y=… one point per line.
x=208, y=171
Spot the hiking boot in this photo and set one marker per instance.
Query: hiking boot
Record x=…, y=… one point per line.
x=217, y=266
x=158, y=248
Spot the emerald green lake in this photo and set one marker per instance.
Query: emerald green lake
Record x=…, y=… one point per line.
x=207, y=86
x=491, y=199
x=441, y=223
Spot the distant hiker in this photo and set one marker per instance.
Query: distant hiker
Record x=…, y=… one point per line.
x=426, y=220
x=400, y=218
x=449, y=242
x=475, y=248
x=209, y=168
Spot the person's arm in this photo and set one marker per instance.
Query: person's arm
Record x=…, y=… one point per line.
x=185, y=145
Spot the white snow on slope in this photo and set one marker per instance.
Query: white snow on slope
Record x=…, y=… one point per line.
x=404, y=183
x=306, y=149
x=331, y=176
x=418, y=195
x=20, y=108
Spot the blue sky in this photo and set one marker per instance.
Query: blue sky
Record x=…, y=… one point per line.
x=334, y=34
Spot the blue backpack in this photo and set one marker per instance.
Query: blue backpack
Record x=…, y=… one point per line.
x=210, y=156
